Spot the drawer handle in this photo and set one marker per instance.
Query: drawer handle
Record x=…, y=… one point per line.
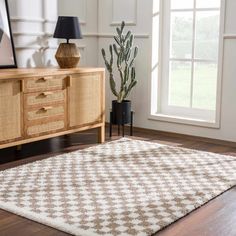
x=45, y=79
x=45, y=94
x=69, y=81
x=47, y=108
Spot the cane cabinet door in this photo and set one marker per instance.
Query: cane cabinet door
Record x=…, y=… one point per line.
x=85, y=99
x=10, y=110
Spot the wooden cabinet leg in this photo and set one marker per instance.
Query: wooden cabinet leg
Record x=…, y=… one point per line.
x=101, y=134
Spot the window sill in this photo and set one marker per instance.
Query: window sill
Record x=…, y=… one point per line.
x=185, y=120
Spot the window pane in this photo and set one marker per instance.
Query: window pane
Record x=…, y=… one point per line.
x=204, y=86
x=208, y=4
x=181, y=4
x=180, y=84
x=156, y=6
x=207, y=35
x=181, y=34
x=155, y=40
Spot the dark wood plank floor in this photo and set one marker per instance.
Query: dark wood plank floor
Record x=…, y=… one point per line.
x=217, y=218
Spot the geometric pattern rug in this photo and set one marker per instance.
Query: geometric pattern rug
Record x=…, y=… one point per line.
x=124, y=187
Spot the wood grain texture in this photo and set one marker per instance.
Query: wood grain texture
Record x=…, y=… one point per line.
x=217, y=218
x=48, y=136
x=101, y=133
x=24, y=73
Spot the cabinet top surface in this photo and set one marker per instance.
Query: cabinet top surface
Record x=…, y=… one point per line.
x=22, y=73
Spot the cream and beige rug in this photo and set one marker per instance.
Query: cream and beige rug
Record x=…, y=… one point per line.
x=125, y=187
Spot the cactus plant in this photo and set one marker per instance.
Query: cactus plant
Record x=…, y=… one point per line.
x=125, y=56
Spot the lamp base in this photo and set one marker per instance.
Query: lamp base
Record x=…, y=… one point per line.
x=67, y=55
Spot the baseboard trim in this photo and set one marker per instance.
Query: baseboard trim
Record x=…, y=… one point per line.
x=184, y=136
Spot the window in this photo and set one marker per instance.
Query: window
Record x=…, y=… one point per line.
x=186, y=70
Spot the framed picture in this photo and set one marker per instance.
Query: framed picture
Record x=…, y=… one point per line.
x=7, y=51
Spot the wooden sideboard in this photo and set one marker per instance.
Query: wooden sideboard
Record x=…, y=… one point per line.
x=37, y=104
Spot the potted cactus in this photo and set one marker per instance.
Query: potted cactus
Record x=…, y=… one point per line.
x=124, y=55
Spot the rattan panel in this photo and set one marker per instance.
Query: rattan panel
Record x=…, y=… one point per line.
x=44, y=97
x=85, y=105
x=42, y=113
x=44, y=128
x=10, y=110
x=45, y=83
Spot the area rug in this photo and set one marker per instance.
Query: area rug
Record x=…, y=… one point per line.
x=125, y=187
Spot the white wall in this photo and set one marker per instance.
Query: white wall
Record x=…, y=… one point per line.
x=99, y=18
x=140, y=23
x=86, y=10
x=141, y=97
x=33, y=22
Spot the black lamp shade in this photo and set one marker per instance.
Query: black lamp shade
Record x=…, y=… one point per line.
x=67, y=28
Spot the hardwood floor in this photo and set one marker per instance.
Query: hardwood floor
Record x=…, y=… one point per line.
x=216, y=218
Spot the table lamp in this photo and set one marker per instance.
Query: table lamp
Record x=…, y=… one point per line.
x=67, y=54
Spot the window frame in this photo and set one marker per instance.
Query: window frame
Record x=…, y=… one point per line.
x=156, y=106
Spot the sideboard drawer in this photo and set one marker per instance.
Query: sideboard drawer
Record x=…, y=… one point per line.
x=45, y=128
x=45, y=83
x=46, y=112
x=41, y=98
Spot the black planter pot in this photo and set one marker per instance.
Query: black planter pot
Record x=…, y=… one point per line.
x=121, y=112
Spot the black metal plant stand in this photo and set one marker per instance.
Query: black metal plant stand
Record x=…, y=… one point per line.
x=122, y=124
